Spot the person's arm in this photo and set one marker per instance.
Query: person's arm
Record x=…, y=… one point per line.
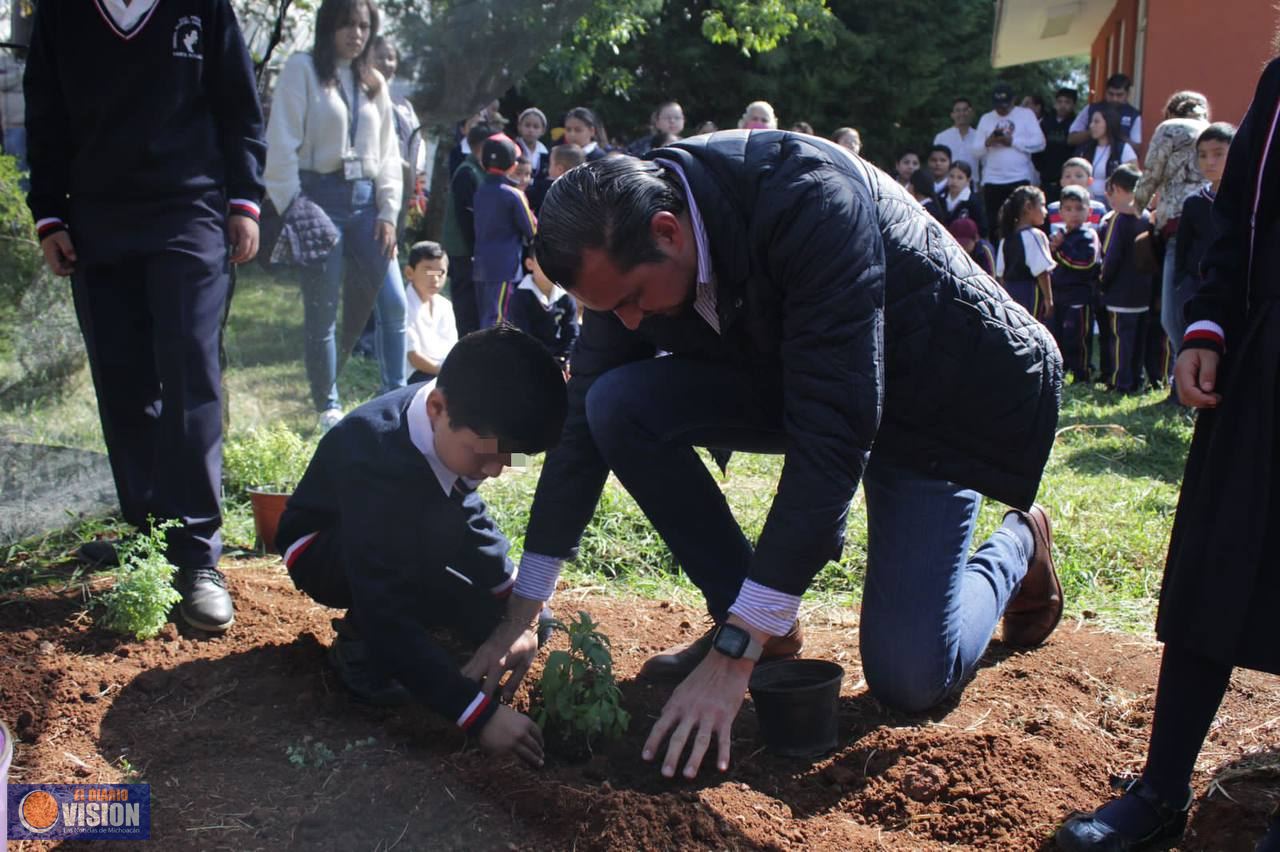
x=1028, y=137
x=525, y=222
x=238, y=114
x=568, y=328
x=1040, y=262
x=1129, y=157
x=1154, y=168
x=390, y=178
x=285, y=130
x=1182, y=242
x=1116, y=241
x=1135, y=130
x=462, y=195
x=1078, y=134
x=50, y=136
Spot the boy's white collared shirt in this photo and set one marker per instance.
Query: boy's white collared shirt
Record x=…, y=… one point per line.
x=544, y=299
x=125, y=17
x=424, y=438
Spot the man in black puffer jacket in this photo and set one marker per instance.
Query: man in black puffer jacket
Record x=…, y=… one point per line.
x=811, y=308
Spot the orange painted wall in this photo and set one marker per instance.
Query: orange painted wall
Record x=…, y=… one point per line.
x=1218, y=48
x=1113, y=48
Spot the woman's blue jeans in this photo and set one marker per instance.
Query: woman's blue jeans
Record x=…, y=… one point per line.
x=351, y=206
x=929, y=607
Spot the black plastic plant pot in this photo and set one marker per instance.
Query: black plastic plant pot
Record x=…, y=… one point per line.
x=796, y=702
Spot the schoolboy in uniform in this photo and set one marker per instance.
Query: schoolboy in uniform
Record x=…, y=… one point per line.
x=504, y=225
x=459, y=232
x=1126, y=291
x=1076, y=171
x=1078, y=254
x=543, y=310
x=386, y=523
x=562, y=158
x=430, y=328
x=146, y=152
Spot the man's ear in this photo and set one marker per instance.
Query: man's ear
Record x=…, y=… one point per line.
x=666, y=228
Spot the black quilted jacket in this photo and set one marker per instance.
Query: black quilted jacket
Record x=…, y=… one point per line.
x=888, y=335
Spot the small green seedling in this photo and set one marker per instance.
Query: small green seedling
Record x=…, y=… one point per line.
x=143, y=593
x=271, y=459
x=580, y=701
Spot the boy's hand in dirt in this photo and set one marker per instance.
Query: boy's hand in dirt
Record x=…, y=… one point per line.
x=494, y=659
x=1196, y=375
x=59, y=253
x=511, y=731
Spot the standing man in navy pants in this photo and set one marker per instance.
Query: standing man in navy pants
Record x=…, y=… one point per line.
x=146, y=151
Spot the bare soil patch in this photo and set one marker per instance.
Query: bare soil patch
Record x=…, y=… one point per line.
x=250, y=743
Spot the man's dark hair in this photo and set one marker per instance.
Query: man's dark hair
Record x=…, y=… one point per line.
x=425, y=250
x=1074, y=193
x=606, y=204
x=946, y=149
x=476, y=136
x=500, y=382
x=1119, y=81
x=965, y=101
x=907, y=152
x=922, y=182
x=1125, y=176
x=1066, y=92
x=1219, y=131
x=568, y=155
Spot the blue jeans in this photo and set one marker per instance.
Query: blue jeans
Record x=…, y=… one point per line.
x=375, y=278
x=929, y=608
x=1171, y=301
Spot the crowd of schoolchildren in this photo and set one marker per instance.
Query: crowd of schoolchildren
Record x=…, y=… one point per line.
x=1054, y=205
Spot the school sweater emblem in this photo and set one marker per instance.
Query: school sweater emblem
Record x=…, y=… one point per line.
x=187, y=38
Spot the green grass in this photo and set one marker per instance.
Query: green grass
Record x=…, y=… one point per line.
x=1111, y=484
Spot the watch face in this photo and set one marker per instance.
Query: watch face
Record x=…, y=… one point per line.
x=732, y=641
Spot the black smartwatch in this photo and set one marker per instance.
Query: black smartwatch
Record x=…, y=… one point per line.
x=736, y=643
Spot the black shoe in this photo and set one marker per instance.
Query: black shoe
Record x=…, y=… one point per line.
x=349, y=656
x=1088, y=833
x=99, y=553
x=206, y=604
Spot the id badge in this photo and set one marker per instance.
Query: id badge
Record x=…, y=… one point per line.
x=352, y=168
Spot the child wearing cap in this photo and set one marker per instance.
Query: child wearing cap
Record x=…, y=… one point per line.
x=504, y=223
x=386, y=524
x=979, y=250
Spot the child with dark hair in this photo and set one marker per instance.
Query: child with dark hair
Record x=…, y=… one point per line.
x=906, y=164
x=960, y=201
x=583, y=128
x=1106, y=148
x=920, y=185
x=939, y=166
x=1195, y=225
x=431, y=330
x=1221, y=588
x=504, y=224
x=1078, y=253
x=459, y=236
x=543, y=310
x=386, y=524
x=966, y=233
x=1076, y=171
x=1024, y=261
x=562, y=158
x=1125, y=287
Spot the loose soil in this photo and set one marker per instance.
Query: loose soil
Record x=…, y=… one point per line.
x=218, y=726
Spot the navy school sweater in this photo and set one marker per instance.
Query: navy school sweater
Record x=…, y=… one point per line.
x=503, y=225
x=1076, y=275
x=555, y=325
x=1122, y=285
x=398, y=533
x=166, y=109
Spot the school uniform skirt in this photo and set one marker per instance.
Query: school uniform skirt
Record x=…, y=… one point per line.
x=1221, y=592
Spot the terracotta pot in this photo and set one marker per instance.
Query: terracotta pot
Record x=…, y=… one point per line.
x=268, y=506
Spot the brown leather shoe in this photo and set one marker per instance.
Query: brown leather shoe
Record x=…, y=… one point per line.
x=1036, y=609
x=676, y=662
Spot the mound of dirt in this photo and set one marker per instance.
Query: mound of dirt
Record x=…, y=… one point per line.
x=249, y=743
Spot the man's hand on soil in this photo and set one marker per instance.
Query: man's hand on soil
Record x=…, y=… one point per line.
x=511, y=731
x=706, y=702
x=496, y=657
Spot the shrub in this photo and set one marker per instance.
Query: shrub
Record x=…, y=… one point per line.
x=580, y=701
x=143, y=593
x=273, y=459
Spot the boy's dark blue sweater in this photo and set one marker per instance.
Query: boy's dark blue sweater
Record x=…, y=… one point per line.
x=1195, y=233
x=399, y=531
x=167, y=109
x=1122, y=285
x=555, y=326
x=1076, y=275
x=504, y=223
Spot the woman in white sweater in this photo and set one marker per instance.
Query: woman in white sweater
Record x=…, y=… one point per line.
x=332, y=137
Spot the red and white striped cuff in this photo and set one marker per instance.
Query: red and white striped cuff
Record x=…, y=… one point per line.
x=244, y=207
x=1205, y=330
x=293, y=551
x=766, y=609
x=45, y=227
x=473, y=711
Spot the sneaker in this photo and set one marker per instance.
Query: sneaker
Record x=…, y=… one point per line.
x=206, y=603
x=677, y=662
x=1036, y=608
x=329, y=418
x=350, y=658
